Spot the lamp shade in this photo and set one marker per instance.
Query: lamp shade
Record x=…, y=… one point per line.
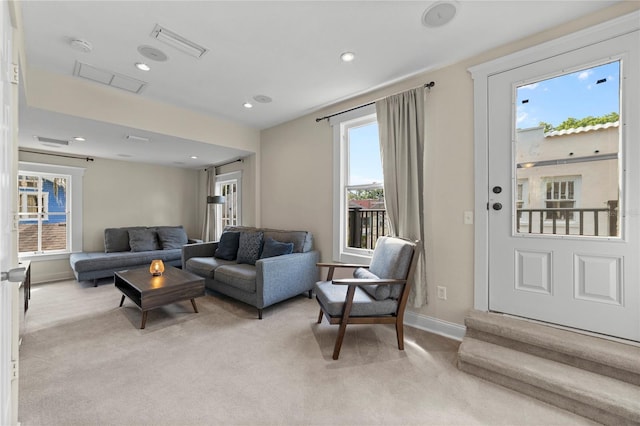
x=157, y=267
x=215, y=199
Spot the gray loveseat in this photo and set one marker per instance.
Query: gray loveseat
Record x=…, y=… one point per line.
x=256, y=266
x=130, y=247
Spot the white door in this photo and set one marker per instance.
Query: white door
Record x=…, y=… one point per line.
x=8, y=346
x=564, y=204
x=229, y=185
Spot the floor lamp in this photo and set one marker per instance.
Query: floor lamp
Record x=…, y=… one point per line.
x=215, y=200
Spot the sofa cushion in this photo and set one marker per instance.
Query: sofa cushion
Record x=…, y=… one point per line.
x=240, y=276
x=172, y=237
x=143, y=239
x=332, y=297
x=379, y=292
x=205, y=266
x=302, y=240
x=96, y=261
x=249, y=247
x=228, y=245
x=272, y=248
x=116, y=239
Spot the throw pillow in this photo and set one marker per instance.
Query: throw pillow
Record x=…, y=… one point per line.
x=172, y=237
x=274, y=248
x=249, y=246
x=228, y=246
x=116, y=239
x=143, y=240
x=378, y=292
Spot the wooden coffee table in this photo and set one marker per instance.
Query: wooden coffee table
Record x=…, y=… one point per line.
x=149, y=292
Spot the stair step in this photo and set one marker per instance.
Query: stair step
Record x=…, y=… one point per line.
x=602, y=356
x=603, y=399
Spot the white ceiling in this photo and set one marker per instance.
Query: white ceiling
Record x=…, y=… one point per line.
x=287, y=50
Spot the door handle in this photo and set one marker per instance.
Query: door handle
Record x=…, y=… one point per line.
x=497, y=206
x=14, y=275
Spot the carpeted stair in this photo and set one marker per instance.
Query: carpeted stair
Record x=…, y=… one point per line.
x=593, y=377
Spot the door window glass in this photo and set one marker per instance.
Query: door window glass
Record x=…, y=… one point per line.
x=567, y=145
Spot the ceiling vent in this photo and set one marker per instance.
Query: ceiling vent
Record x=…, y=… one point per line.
x=178, y=42
x=108, y=78
x=51, y=141
x=137, y=138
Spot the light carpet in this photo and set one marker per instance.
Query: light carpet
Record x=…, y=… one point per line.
x=84, y=361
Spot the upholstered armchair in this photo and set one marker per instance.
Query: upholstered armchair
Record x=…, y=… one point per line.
x=377, y=294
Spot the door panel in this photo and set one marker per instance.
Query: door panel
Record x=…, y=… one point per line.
x=564, y=246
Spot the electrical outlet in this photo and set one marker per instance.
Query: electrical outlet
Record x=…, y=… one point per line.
x=442, y=293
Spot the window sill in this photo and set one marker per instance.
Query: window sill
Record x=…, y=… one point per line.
x=363, y=259
x=42, y=257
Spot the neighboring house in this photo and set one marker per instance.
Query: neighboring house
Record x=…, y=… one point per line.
x=571, y=176
x=42, y=212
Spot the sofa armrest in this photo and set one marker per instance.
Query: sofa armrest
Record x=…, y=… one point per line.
x=198, y=250
x=281, y=277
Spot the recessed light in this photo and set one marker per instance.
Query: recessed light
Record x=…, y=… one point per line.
x=142, y=66
x=79, y=139
x=194, y=157
x=247, y=105
x=439, y=14
x=347, y=56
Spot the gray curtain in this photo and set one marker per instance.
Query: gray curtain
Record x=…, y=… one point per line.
x=208, y=225
x=401, y=124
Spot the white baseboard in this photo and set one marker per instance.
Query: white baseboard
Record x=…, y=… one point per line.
x=51, y=277
x=434, y=325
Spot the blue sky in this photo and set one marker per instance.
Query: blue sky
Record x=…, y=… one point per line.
x=364, y=158
x=572, y=95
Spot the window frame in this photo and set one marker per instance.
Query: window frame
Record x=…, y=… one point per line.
x=577, y=187
x=340, y=124
x=74, y=200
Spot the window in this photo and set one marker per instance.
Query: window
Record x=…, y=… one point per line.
x=522, y=194
x=42, y=213
x=560, y=194
x=359, y=210
x=48, y=198
x=229, y=185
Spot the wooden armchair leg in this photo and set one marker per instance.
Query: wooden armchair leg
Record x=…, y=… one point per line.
x=320, y=316
x=400, y=334
x=339, y=339
x=348, y=303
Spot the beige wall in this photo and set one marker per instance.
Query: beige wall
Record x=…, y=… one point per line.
x=120, y=193
x=296, y=171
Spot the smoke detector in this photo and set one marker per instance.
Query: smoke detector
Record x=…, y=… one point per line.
x=81, y=45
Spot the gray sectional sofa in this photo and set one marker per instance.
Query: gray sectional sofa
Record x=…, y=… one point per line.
x=256, y=266
x=130, y=247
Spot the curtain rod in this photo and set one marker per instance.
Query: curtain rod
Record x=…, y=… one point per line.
x=77, y=157
x=240, y=160
x=326, y=117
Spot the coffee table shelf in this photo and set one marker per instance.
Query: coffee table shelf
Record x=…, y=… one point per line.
x=149, y=292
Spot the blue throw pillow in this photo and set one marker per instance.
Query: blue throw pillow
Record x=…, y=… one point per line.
x=378, y=292
x=172, y=237
x=228, y=246
x=143, y=240
x=249, y=247
x=275, y=248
